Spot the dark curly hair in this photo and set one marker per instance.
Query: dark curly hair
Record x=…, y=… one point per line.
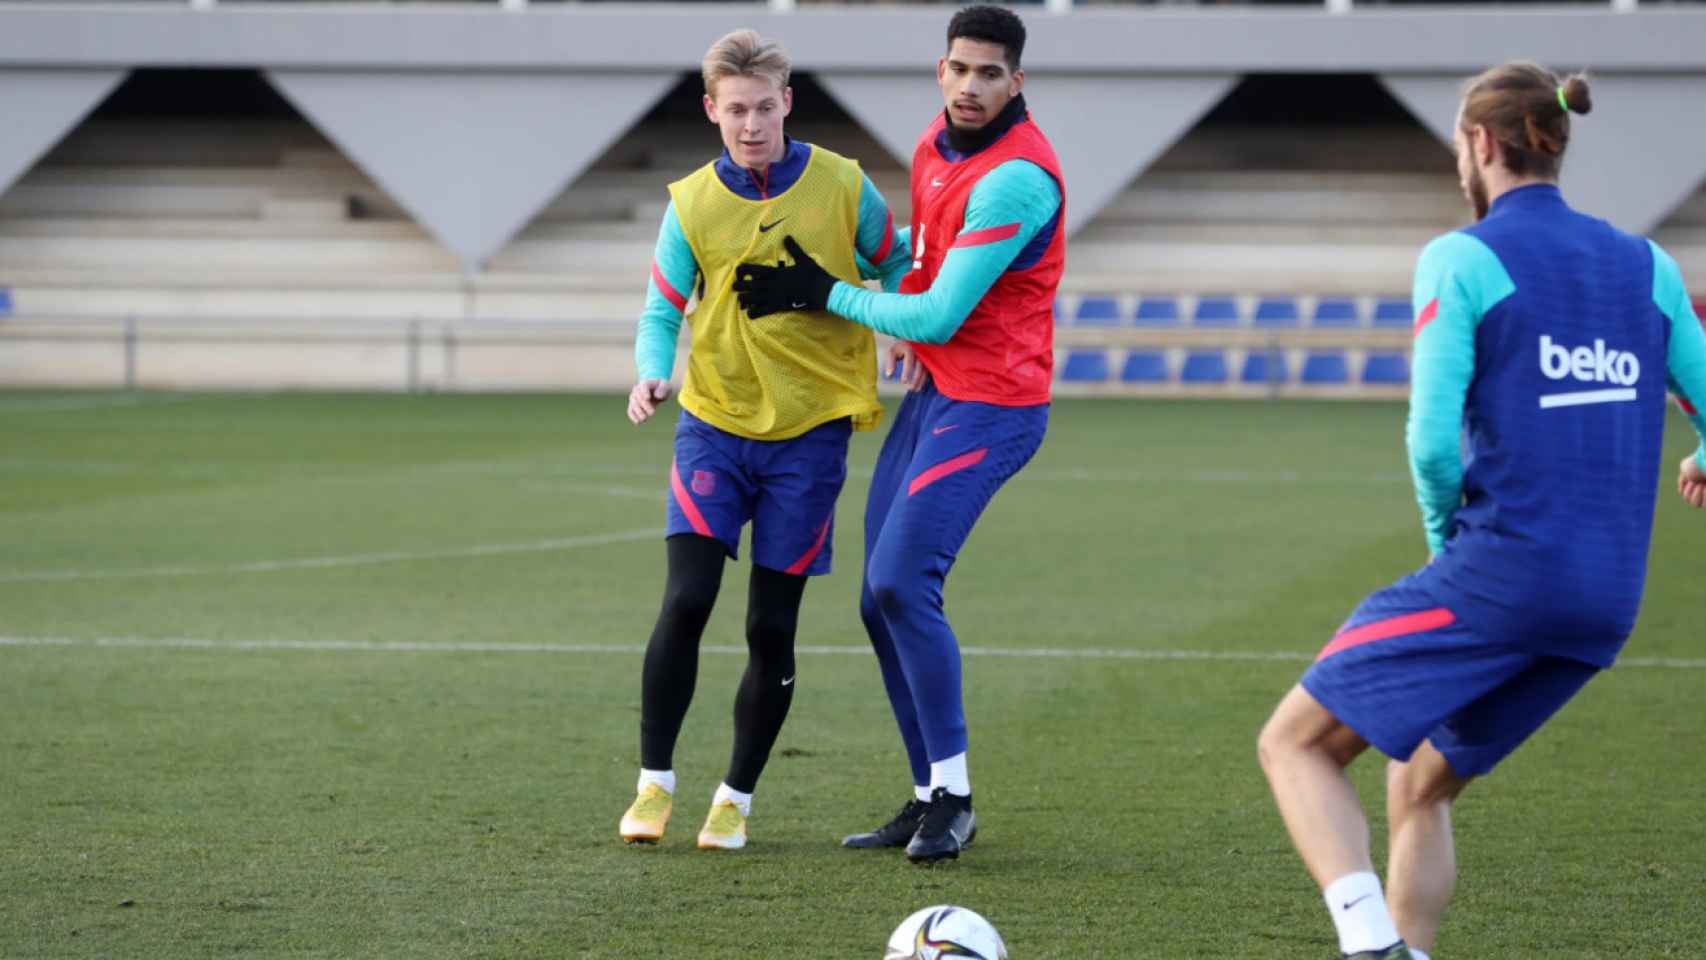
x=990, y=24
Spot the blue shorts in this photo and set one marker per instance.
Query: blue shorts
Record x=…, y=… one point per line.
x=786, y=488
x=1404, y=669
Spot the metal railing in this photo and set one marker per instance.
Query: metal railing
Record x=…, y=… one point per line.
x=412, y=354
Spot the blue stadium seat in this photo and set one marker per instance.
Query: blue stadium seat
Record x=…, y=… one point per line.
x=1276, y=312
x=1335, y=312
x=1321, y=368
x=1386, y=368
x=1085, y=366
x=1059, y=315
x=1204, y=366
x=1098, y=310
x=1393, y=312
x=5, y=301
x=1264, y=366
x=1144, y=366
x=1216, y=311
x=1158, y=312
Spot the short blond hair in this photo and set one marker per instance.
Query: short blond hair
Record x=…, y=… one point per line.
x=744, y=53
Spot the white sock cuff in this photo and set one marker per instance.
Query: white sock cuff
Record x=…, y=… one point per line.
x=951, y=773
x=921, y=793
x=1359, y=913
x=742, y=801
x=663, y=778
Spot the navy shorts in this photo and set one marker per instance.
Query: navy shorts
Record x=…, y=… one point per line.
x=1404, y=669
x=785, y=488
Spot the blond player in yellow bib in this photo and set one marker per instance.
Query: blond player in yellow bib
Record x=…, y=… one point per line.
x=767, y=409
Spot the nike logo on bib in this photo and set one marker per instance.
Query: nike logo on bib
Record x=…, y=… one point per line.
x=767, y=227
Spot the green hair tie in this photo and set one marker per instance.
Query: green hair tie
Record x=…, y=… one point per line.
x=1563, y=103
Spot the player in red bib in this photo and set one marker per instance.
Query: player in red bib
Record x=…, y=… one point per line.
x=975, y=321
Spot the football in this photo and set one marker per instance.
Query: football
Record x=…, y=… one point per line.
x=945, y=931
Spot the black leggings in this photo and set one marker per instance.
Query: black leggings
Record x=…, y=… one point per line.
x=672, y=658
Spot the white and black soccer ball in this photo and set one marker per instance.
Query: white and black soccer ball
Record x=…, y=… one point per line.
x=943, y=932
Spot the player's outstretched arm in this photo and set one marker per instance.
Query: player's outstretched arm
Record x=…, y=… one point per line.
x=673, y=274
x=1005, y=212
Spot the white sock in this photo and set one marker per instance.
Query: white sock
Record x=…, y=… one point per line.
x=922, y=793
x=663, y=778
x=1419, y=955
x=951, y=773
x=1359, y=912
x=742, y=801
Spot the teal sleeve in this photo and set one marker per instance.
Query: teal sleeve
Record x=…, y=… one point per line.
x=673, y=274
x=1003, y=213
x=1458, y=279
x=1686, y=361
x=877, y=231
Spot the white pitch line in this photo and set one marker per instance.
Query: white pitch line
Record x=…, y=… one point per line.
x=348, y=560
x=409, y=646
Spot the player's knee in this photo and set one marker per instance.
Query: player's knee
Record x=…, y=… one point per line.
x=688, y=600
x=769, y=633
x=1417, y=783
x=1271, y=745
x=890, y=594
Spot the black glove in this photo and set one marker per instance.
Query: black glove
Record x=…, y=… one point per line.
x=765, y=290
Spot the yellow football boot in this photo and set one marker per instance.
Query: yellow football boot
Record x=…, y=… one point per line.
x=645, y=820
x=725, y=828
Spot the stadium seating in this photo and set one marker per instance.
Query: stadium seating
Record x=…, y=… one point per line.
x=1145, y=367
x=1393, y=312
x=1203, y=367
x=1264, y=367
x=1276, y=312
x=1334, y=312
x=1085, y=366
x=1098, y=310
x=1216, y=311
x=1199, y=264
x=1386, y=369
x=1325, y=368
x=1157, y=312
x=5, y=301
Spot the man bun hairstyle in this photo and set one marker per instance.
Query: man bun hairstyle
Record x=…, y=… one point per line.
x=744, y=53
x=990, y=24
x=1527, y=109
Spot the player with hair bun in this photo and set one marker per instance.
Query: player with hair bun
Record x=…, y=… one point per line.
x=1544, y=343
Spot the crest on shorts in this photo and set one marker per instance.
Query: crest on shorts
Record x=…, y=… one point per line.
x=704, y=482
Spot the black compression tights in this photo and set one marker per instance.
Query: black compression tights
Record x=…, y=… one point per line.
x=672, y=658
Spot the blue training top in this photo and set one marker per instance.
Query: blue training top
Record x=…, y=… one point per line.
x=1543, y=342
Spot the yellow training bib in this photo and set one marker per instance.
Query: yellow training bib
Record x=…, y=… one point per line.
x=775, y=377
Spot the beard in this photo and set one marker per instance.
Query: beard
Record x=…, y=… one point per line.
x=1475, y=191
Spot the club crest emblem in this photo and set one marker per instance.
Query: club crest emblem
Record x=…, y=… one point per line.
x=704, y=482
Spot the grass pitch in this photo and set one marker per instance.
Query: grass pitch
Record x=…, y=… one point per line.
x=316, y=676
